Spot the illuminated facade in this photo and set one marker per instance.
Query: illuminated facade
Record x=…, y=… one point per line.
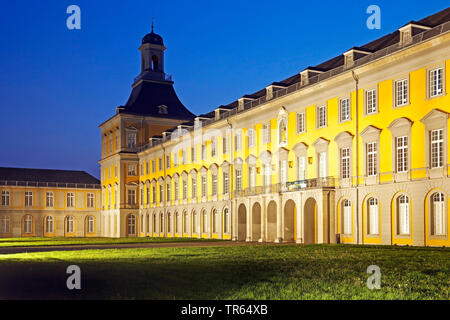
x=48, y=203
x=353, y=150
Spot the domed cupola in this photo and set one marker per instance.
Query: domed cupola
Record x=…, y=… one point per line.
x=153, y=38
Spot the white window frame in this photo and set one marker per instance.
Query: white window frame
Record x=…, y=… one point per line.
x=345, y=163
x=344, y=110
x=371, y=99
x=436, y=82
x=437, y=148
x=401, y=92
x=301, y=122
x=6, y=198
x=401, y=153
x=321, y=116
x=372, y=155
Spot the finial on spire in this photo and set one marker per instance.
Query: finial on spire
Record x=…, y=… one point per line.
x=153, y=20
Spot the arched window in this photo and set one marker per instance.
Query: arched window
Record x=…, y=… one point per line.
x=49, y=224
x=91, y=224
x=403, y=215
x=169, y=218
x=438, y=214
x=28, y=224
x=347, y=216
x=70, y=224
x=204, y=222
x=185, y=221
x=194, y=222
x=226, y=217
x=131, y=225
x=5, y=224
x=215, y=221
x=373, y=216
x=155, y=63
x=177, y=223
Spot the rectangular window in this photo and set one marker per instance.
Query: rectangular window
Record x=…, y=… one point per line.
x=238, y=142
x=373, y=216
x=301, y=165
x=225, y=144
x=214, y=184
x=161, y=192
x=283, y=171
x=321, y=116
x=267, y=175
x=372, y=159
x=131, y=139
x=160, y=161
x=154, y=193
x=266, y=132
x=168, y=192
x=194, y=187
x=402, y=153
x=168, y=161
x=437, y=148
x=28, y=198
x=5, y=224
x=184, y=156
x=131, y=169
x=193, y=155
x=213, y=147
x=147, y=189
x=347, y=207
x=401, y=93
x=146, y=169
x=175, y=159
x=238, y=180
x=70, y=199
x=345, y=109
x=176, y=190
x=204, y=186
x=91, y=200
x=131, y=197
x=436, y=85
x=345, y=163
x=226, y=183
x=5, y=198
x=322, y=165
x=252, y=179
x=184, y=189
x=371, y=101
x=49, y=199
x=301, y=127
x=203, y=152
x=153, y=165
x=251, y=138
x=403, y=218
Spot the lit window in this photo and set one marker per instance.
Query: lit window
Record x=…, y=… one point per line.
x=436, y=86
x=345, y=163
x=347, y=215
x=70, y=199
x=131, y=196
x=5, y=198
x=131, y=224
x=131, y=139
x=70, y=224
x=402, y=153
x=5, y=224
x=238, y=180
x=132, y=169
x=90, y=200
x=321, y=116
x=301, y=127
x=49, y=199
x=28, y=224
x=49, y=224
x=373, y=227
x=437, y=148
x=438, y=214
x=345, y=109
x=403, y=215
x=401, y=92
x=28, y=198
x=371, y=101
x=372, y=159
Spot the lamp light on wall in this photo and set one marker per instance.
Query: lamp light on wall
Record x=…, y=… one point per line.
x=310, y=160
x=258, y=169
x=291, y=164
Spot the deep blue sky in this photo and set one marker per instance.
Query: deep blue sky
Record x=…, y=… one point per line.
x=57, y=85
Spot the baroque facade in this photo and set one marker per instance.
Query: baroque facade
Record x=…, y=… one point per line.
x=353, y=150
x=48, y=203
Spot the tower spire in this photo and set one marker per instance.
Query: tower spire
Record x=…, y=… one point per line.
x=153, y=20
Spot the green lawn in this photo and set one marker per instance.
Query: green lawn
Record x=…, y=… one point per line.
x=231, y=272
x=61, y=241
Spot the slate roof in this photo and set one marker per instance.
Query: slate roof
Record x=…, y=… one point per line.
x=47, y=175
x=147, y=96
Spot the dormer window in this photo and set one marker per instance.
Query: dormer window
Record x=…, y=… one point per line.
x=354, y=54
x=409, y=30
x=162, y=109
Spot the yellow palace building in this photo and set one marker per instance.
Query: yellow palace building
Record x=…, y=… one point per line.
x=353, y=150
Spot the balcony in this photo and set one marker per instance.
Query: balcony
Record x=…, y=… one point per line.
x=328, y=182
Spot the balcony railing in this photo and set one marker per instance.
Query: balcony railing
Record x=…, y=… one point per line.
x=328, y=182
